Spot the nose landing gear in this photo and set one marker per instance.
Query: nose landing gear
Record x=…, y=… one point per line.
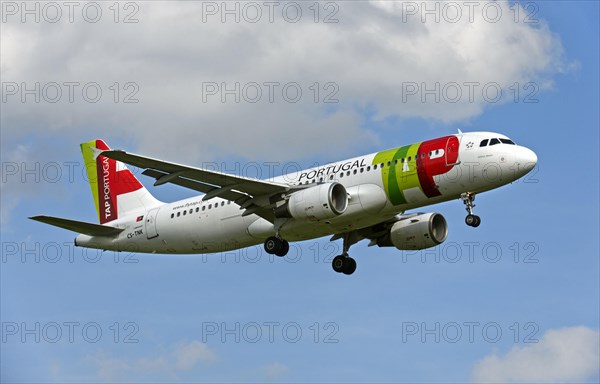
x=471, y=219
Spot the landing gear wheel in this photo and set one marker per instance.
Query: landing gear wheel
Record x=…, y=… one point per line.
x=350, y=266
x=275, y=246
x=338, y=263
x=471, y=219
x=344, y=264
x=285, y=247
x=271, y=245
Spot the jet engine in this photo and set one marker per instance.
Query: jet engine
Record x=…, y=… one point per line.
x=419, y=232
x=323, y=201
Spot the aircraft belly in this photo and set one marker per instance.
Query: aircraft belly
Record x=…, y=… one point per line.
x=414, y=195
x=296, y=230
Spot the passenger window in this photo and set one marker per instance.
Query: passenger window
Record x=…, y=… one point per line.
x=222, y=203
x=204, y=208
x=348, y=173
x=362, y=170
x=368, y=168
x=409, y=158
x=396, y=161
x=191, y=211
x=437, y=151
x=184, y=212
x=320, y=180
x=172, y=215
x=422, y=155
x=494, y=141
x=381, y=165
x=178, y=214
x=374, y=166
x=209, y=206
x=355, y=171
x=197, y=209
x=342, y=174
x=331, y=177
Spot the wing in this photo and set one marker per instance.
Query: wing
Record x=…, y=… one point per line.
x=252, y=195
x=378, y=234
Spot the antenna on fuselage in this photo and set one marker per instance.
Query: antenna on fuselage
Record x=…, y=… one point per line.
x=459, y=131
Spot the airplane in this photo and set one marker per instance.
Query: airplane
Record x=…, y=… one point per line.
x=363, y=198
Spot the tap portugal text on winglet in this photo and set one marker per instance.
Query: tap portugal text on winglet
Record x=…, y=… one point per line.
x=360, y=198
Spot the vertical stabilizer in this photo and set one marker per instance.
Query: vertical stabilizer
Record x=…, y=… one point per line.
x=115, y=189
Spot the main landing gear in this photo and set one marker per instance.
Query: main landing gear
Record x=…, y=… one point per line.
x=471, y=219
x=344, y=263
x=276, y=246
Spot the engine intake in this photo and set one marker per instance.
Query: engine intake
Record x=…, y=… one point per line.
x=419, y=232
x=321, y=202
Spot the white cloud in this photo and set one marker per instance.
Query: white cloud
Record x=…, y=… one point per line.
x=371, y=54
x=190, y=355
x=561, y=355
x=183, y=357
x=275, y=371
x=15, y=185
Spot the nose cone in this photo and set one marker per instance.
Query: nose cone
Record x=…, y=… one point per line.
x=526, y=160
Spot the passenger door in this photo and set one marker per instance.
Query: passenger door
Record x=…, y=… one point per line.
x=452, y=151
x=151, y=231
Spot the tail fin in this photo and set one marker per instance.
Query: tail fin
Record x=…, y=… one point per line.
x=115, y=189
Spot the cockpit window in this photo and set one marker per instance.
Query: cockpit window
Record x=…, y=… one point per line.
x=507, y=141
x=483, y=143
x=494, y=141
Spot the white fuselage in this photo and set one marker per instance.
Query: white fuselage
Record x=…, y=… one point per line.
x=196, y=226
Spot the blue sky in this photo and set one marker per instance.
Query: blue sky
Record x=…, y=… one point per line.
x=530, y=271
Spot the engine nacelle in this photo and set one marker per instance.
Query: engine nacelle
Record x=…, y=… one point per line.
x=419, y=232
x=323, y=201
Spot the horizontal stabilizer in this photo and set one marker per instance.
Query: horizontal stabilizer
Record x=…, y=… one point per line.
x=79, y=226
